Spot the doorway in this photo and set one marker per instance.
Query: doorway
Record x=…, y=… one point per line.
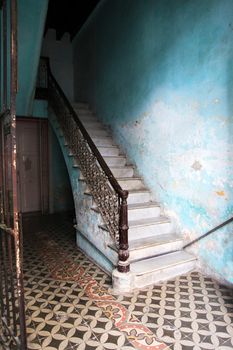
x=32, y=165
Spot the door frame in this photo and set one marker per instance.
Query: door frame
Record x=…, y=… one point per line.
x=43, y=162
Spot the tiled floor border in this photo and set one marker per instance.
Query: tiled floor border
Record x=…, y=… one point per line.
x=63, y=268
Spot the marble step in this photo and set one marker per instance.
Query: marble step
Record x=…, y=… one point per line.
x=143, y=228
x=97, y=132
x=102, y=141
x=115, y=161
x=143, y=211
x=154, y=246
x=80, y=105
x=92, y=124
x=120, y=172
x=140, y=211
x=153, y=270
x=86, y=117
x=96, y=128
x=131, y=183
x=127, y=171
x=109, y=150
x=139, y=196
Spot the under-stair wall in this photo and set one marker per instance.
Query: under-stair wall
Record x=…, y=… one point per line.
x=90, y=237
x=160, y=75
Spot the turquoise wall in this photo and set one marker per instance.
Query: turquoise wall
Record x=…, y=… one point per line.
x=40, y=108
x=61, y=198
x=160, y=73
x=31, y=20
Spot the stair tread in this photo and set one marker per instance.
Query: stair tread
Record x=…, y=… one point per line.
x=120, y=156
x=102, y=137
x=121, y=166
x=143, y=205
x=143, y=222
x=160, y=262
x=137, y=205
x=110, y=146
x=148, y=222
x=154, y=241
x=128, y=178
x=141, y=190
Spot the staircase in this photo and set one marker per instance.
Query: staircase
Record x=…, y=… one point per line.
x=155, y=248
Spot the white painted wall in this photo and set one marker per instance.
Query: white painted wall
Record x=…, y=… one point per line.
x=61, y=60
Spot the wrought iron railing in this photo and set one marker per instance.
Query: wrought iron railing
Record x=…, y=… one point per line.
x=12, y=310
x=110, y=198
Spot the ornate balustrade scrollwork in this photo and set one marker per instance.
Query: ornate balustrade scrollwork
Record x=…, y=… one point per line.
x=110, y=198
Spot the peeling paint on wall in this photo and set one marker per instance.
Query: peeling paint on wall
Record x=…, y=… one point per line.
x=160, y=74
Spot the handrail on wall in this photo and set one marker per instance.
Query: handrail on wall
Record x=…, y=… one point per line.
x=208, y=233
x=123, y=253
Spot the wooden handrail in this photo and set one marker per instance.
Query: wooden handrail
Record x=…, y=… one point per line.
x=122, y=193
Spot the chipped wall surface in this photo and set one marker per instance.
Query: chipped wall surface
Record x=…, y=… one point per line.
x=160, y=73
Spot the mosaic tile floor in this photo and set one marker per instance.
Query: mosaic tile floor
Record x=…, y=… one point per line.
x=70, y=305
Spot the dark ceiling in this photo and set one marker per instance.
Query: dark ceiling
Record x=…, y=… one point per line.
x=68, y=16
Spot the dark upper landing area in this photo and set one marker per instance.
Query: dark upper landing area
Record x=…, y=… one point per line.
x=68, y=16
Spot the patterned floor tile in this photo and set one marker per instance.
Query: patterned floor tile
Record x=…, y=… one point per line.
x=70, y=305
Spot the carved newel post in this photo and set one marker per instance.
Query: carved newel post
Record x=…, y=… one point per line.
x=123, y=253
x=123, y=279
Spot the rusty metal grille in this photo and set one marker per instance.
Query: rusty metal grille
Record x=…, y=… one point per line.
x=12, y=310
x=10, y=327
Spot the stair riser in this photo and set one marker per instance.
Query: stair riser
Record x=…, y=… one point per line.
x=98, y=141
x=80, y=105
x=142, y=253
x=144, y=213
x=164, y=274
x=118, y=161
x=123, y=172
x=91, y=124
x=109, y=151
x=98, y=129
x=97, y=132
x=81, y=110
x=142, y=197
x=133, y=184
x=149, y=230
x=87, y=118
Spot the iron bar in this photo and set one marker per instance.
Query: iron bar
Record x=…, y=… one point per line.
x=12, y=286
x=5, y=279
x=2, y=304
x=11, y=271
x=5, y=65
x=18, y=246
x=208, y=233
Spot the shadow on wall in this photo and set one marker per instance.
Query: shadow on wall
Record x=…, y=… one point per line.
x=61, y=197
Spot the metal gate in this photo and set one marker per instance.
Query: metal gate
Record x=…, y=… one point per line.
x=12, y=310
